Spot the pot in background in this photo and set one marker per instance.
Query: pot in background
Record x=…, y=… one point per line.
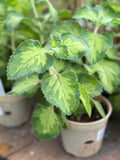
x=14, y=110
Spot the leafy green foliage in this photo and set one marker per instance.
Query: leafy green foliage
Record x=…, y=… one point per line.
x=65, y=86
x=85, y=99
x=12, y=19
x=99, y=43
x=98, y=14
x=2, y=68
x=29, y=57
x=92, y=86
x=71, y=47
x=25, y=84
x=112, y=53
x=110, y=78
x=99, y=108
x=67, y=26
x=46, y=123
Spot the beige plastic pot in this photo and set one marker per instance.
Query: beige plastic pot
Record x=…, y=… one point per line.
x=14, y=110
x=85, y=139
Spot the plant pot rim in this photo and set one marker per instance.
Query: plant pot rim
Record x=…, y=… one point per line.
x=12, y=96
x=98, y=121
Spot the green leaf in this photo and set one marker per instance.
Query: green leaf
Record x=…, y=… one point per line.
x=54, y=40
x=46, y=123
x=86, y=13
x=92, y=86
x=112, y=53
x=65, y=13
x=65, y=86
x=98, y=14
x=110, y=79
x=67, y=26
x=99, y=44
x=29, y=57
x=12, y=19
x=99, y=108
x=2, y=68
x=25, y=84
x=72, y=47
x=85, y=99
x=52, y=10
x=31, y=92
x=22, y=6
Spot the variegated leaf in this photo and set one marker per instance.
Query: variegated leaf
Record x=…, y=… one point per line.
x=71, y=47
x=92, y=86
x=110, y=78
x=12, y=19
x=85, y=99
x=29, y=57
x=62, y=90
x=99, y=44
x=67, y=26
x=46, y=123
x=112, y=53
x=25, y=84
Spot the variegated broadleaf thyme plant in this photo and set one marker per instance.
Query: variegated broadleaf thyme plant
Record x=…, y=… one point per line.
x=72, y=68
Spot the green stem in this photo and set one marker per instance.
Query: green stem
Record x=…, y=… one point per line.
x=37, y=16
x=96, y=29
x=12, y=41
x=52, y=70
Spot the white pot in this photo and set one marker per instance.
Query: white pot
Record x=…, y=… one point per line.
x=14, y=110
x=85, y=139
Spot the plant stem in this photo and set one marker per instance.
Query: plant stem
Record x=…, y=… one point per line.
x=12, y=41
x=96, y=28
x=37, y=16
x=52, y=69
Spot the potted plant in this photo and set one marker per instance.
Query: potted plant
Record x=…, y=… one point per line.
x=70, y=70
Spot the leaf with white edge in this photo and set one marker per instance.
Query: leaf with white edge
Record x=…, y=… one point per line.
x=62, y=90
x=76, y=47
x=85, y=99
x=61, y=52
x=98, y=14
x=91, y=84
x=110, y=79
x=86, y=13
x=25, y=84
x=99, y=107
x=12, y=19
x=45, y=122
x=112, y=53
x=29, y=57
x=99, y=44
x=52, y=10
x=67, y=26
x=54, y=40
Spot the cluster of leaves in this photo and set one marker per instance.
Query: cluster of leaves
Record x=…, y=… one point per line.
x=74, y=66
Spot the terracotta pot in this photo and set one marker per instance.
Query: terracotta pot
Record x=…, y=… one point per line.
x=14, y=110
x=85, y=139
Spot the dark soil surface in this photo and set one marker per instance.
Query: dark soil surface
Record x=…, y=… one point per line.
x=85, y=118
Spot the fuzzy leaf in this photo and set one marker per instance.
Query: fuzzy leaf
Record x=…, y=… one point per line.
x=92, y=86
x=110, y=79
x=12, y=19
x=22, y=6
x=25, y=84
x=29, y=57
x=46, y=123
x=99, y=108
x=65, y=87
x=72, y=47
x=67, y=26
x=85, y=99
x=86, y=13
x=112, y=53
x=52, y=10
x=98, y=14
x=99, y=43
